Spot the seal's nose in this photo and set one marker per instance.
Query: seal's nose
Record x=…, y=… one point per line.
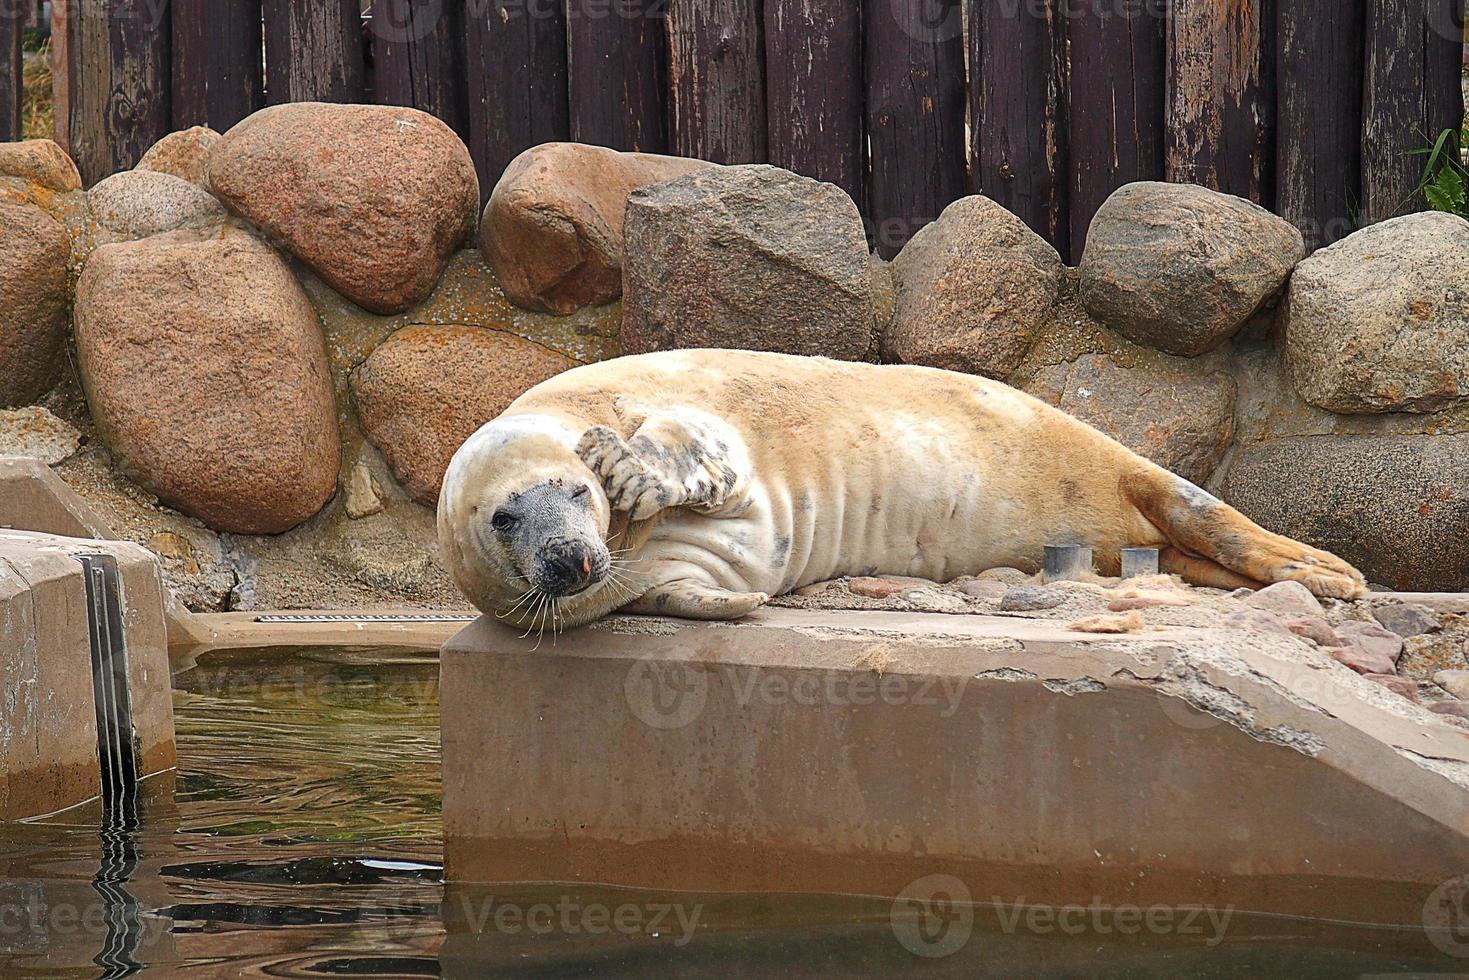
x=569, y=567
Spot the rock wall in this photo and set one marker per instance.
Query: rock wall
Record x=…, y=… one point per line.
x=280, y=335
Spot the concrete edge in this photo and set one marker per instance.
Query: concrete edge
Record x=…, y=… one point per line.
x=33, y=498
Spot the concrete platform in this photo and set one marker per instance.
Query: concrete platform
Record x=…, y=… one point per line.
x=859, y=752
x=48, y=716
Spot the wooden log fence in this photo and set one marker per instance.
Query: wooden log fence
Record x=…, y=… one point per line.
x=1019, y=140
x=1049, y=106
x=12, y=31
x=1318, y=77
x=915, y=115
x=1114, y=116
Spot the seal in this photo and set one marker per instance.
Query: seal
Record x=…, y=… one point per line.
x=698, y=483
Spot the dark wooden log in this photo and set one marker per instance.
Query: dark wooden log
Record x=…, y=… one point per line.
x=418, y=57
x=218, y=78
x=314, y=51
x=914, y=66
x=617, y=69
x=813, y=90
x=1115, y=115
x=12, y=27
x=1445, y=40
x=118, y=65
x=61, y=74
x=1318, y=174
x=1018, y=104
x=716, y=80
x=515, y=65
x=1447, y=54
x=1220, y=110
x=1412, y=93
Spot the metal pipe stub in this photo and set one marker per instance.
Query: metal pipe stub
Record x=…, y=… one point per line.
x=1139, y=561
x=1067, y=562
x=116, y=753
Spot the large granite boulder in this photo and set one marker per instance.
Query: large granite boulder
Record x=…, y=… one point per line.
x=1394, y=506
x=34, y=248
x=1180, y=267
x=425, y=390
x=552, y=230
x=1379, y=322
x=207, y=376
x=972, y=288
x=750, y=257
x=139, y=203
x=375, y=199
x=1182, y=420
x=182, y=154
x=41, y=162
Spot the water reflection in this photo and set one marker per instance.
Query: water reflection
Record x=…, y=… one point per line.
x=301, y=837
x=302, y=830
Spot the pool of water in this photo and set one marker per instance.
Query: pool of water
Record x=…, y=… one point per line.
x=300, y=837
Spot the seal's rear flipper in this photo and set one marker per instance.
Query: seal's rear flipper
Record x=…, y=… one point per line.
x=695, y=600
x=1203, y=572
x=1204, y=527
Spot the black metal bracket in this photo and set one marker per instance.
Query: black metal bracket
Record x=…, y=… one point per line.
x=116, y=750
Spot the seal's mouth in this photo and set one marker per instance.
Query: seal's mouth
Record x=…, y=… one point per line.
x=567, y=568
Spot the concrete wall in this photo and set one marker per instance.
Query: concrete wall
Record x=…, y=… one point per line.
x=48, y=730
x=858, y=752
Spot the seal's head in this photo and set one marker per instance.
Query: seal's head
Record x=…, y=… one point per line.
x=523, y=522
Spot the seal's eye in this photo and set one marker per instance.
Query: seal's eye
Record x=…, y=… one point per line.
x=579, y=491
x=503, y=520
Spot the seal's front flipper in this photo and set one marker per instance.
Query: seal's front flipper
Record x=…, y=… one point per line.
x=695, y=600
x=667, y=463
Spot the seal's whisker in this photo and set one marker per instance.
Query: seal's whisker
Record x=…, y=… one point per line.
x=547, y=610
x=621, y=597
x=539, y=626
x=622, y=567
x=618, y=577
x=511, y=611
x=522, y=596
x=625, y=591
x=531, y=616
x=622, y=572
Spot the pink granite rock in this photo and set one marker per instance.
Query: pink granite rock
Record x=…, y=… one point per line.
x=1372, y=639
x=875, y=588
x=375, y=199
x=1362, y=661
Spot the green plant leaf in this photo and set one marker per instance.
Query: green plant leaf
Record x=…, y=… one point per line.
x=1444, y=176
x=1446, y=192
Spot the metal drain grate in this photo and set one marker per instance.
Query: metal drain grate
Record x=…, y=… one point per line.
x=115, y=751
x=367, y=618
